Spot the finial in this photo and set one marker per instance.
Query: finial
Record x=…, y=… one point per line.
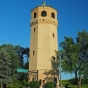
x=43, y=3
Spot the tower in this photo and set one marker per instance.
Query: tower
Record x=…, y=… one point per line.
x=43, y=43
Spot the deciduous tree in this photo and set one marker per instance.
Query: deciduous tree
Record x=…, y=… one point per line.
x=76, y=55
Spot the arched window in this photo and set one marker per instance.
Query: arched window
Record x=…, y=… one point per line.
x=35, y=15
x=43, y=13
x=52, y=15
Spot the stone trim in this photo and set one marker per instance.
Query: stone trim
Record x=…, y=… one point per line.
x=33, y=22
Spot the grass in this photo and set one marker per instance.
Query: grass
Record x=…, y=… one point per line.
x=70, y=85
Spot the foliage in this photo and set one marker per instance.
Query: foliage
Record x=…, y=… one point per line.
x=85, y=80
x=33, y=84
x=14, y=85
x=49, y=85
x=71, y=85
x=11, y=58
x=23, y=54
x=24, y=83
x=15, y=60
x=5, y=64
x=76, y=55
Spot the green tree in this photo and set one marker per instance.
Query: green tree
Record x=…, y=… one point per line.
x=15, y=60
x=23, y=54
x=5, y=67
x=76, y=55
x=82, y=42
x=16, y=54
x=70, y=50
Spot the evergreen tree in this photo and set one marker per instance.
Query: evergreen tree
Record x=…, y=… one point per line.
x=5, y=67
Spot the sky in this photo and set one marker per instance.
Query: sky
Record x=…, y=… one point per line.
x=15, y=16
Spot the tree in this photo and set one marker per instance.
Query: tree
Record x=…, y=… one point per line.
x=70, y=56
x=5, y=67
x=76, y=55
x=82, y=42
x=16, y=54
x=23, y=54
x=15, y=60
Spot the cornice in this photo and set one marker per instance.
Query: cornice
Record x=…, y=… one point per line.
x=33, y=22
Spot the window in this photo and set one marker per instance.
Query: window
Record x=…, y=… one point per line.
x=34, y=15
x=34, y=30
x=52, y=15
x=53, y=35
x=43, y=13
x=33, y=52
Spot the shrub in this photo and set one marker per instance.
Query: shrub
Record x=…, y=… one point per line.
x=33, y=84
x=49, y=85
x=24, y=83
x=14, y=85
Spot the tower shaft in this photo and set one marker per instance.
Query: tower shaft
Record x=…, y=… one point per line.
x=43, y=42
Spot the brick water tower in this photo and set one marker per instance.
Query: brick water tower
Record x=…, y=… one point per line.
x=43, y=43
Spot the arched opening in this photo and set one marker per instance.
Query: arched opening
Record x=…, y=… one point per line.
x=43, y=13
x=35, y=15
x=52, y=15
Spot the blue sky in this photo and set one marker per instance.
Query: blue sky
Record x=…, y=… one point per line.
x=15, y=20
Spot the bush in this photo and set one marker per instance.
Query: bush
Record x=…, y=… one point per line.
x=33, y=84
x=14, y=85
x=49, y=85
x=24, y=83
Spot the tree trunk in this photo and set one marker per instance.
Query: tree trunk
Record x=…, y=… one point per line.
x=4, y=85
x=1, y=85
x=76, y=78
x=79, y=83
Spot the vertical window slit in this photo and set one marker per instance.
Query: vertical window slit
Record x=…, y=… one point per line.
x=53, y=35
x=34, y=30
x=33, y=52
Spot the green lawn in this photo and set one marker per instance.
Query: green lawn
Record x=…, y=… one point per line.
x=69, y=85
